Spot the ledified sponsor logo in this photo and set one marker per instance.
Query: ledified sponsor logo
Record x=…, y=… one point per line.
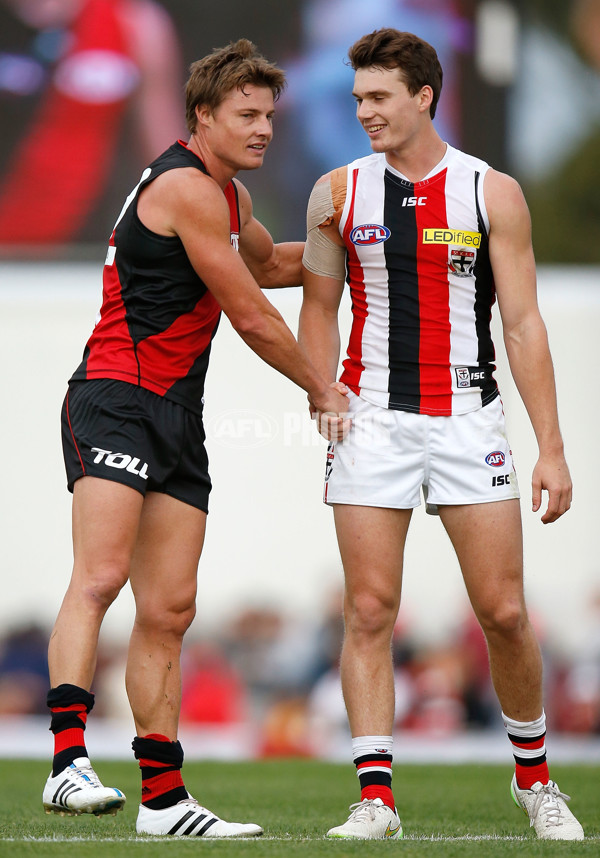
x=451, y=236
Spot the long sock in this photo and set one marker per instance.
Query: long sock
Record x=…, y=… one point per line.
x=69, y=707
x=373, y=761
x=160, y=764
x=529, y=750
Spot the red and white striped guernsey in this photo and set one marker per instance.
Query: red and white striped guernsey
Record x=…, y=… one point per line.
x=421, y=285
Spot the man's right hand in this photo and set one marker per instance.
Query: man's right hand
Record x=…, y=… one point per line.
x=329, y=411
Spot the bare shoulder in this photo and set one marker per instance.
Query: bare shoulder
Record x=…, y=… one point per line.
x=187, y=184
x=336, y=179
x=504, y=197
x=182, y=198
x=327, y=200
x=510, y=222
x=243, y=192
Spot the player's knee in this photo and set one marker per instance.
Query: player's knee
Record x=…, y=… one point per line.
x=100, y=588
x=506, y=619
x=171, y=619
x=182, y=619
x=370, y=614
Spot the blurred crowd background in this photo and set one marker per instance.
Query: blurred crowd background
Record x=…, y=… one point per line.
x=278, y=675
x=91, y=90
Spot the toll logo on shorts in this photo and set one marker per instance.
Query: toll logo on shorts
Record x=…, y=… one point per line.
x=495, y=459
x=369, y=233
x=121, y=461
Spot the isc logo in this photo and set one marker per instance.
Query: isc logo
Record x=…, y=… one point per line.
x=413, y=201
x=495, y=459
x=369, y=233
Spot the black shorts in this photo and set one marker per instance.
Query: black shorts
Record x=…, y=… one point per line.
x=121, y=432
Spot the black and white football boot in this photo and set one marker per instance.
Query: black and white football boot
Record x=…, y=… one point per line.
x=77, y=789
x=187, y=818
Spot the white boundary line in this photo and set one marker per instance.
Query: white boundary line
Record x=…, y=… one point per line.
x=414, y=838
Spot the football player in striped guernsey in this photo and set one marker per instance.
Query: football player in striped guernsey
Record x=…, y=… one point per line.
x=186, y=246
x=427, y=237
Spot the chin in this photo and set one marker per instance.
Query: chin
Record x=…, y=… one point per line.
x=253, y=164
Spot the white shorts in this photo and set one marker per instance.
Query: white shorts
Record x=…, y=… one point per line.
x=389, y=456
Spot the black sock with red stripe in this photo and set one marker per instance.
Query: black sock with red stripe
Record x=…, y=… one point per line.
x=373, y=761
x=69, y=706
x=160, y=762
x=528, y=739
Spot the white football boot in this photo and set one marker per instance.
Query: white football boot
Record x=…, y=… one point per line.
x=187, y=818
x=369, y=819
x=77, y=789
x=546, y=807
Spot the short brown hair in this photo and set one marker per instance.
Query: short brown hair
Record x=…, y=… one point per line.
x=415, y=59
x=232, y=67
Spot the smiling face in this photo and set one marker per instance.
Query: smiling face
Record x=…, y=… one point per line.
x=390, y=115
x=238, y=132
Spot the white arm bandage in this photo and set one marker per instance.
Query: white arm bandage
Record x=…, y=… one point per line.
x=322, y=255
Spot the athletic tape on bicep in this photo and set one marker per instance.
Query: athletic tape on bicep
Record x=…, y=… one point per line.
x=322, y=255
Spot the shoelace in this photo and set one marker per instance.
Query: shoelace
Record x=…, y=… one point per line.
x=88, y=774
x=197, y=806
x=546, y=799
x=362, y=809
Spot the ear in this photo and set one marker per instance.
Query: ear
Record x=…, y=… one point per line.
x=203, y=114
x=425, y=97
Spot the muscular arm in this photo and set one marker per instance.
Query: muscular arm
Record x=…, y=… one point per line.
x=271, y=265
x=318, y=332
x=525, y=337
x=189, y=204
x=319, y=336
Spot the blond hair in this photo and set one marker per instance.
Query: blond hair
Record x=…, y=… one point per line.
x=225, y=69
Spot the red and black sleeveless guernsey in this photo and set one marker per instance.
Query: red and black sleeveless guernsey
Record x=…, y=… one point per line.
x=158, y=318
x=421, y=285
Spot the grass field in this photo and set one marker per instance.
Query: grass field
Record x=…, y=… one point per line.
x=446, y=811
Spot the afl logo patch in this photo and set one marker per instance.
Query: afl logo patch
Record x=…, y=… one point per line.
x=369, y=233
x=495, y=459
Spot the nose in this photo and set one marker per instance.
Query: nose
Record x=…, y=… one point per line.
x=363, y=110
x=264, y=128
